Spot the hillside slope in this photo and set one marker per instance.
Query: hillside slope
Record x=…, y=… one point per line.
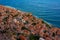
x=18, y=25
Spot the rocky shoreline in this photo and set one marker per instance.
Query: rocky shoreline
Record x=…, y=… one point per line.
x=18, y=25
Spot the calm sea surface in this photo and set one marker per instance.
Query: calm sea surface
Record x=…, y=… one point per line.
x=49, y=10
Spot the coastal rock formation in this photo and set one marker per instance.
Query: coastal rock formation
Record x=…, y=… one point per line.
x=18, y=25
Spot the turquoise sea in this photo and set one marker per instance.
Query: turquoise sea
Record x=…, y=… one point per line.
x=48, y=10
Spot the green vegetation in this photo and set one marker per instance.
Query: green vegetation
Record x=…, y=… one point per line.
x=34, y=37
x=53, y=34
x=24, y=28
x=4, y=20
x=26, y=22
x=15, y=15
x=45, y=31
x=33, y=24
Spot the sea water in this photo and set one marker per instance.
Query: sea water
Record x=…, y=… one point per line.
x=48, y=10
